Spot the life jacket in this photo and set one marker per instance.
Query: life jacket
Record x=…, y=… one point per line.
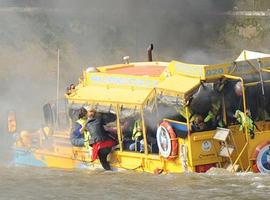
x=244, y=121
x=213, y=114
x=86, y=133
x=136, y=134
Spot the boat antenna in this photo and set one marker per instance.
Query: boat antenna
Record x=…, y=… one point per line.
x=57, y=84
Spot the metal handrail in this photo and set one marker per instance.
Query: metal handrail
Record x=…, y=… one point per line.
x=174, y=121
x=244, y=98
x=240, y=154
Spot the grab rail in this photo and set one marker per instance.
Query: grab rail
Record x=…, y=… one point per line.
x=240, y=154
x=174, y=121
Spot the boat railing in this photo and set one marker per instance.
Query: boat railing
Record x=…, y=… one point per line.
x=239, y=156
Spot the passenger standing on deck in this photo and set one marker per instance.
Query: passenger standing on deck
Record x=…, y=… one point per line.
x=80, y=136
x=100, y=140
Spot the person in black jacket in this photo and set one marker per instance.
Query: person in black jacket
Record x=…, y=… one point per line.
x=100, y=140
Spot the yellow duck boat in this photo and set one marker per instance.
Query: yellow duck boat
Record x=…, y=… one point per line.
x=172, y=100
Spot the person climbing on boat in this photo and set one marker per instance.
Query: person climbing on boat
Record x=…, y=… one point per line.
x=245, y=120
x=100, y=141
x=80, y=136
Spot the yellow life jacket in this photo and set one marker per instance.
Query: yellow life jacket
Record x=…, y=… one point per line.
x=86, y=133
x=136, y=134
x=244, y=120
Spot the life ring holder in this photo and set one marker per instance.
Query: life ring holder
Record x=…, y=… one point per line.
x=167, y=141
x=261, y=158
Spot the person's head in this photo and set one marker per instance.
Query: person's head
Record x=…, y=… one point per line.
x=91, y=112
x=72, y=86
x=238, y=89
x=82, y=113
x=198, y=119
x=68, y=92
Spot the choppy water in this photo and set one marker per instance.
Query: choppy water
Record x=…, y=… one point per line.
x=44, y=183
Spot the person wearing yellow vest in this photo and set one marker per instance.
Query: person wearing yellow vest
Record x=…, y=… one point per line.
x=137, y=136
x=245, y=121
x=214, y=118
x=80, y=136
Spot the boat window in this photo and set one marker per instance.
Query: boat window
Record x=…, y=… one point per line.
x=132, y=129
x=233, y=101
x=257, y=103
x=171, y=110
x=48, y=115
x=73, y=113
x=214, y=104
x=151, y=122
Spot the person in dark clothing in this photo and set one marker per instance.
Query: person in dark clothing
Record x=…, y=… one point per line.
x=100, y=140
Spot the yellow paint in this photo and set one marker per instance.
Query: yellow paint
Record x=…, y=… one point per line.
x=178, y=80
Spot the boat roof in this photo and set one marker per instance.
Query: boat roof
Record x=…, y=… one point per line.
x=153, y=69
x=178, y=84
x=250, y=55
x=93, y=94
x=133, y=83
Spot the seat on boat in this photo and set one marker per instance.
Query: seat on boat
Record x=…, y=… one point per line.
x=180, y=130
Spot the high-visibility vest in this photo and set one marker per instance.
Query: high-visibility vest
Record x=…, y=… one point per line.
x=86, y=133
x=212, y=114
x=209, y=117
x=244, y=121
x=136, y=133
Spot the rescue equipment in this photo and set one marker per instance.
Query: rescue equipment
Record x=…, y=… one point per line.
x=261, y=158
x=167, y=140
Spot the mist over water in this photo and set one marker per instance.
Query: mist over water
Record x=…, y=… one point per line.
x=93, y=33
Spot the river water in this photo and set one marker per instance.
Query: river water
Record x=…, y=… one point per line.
x=44, y=183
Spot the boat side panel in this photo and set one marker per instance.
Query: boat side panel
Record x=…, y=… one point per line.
x=27, y=157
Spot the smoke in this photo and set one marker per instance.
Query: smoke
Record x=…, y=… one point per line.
x=93, y=33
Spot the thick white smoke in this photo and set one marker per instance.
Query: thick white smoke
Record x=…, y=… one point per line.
x=91, y=33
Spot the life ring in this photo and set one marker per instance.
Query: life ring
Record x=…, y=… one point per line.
x=261, y=158
x=167, y=140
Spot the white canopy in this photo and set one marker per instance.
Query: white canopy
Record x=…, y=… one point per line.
x=250, y=55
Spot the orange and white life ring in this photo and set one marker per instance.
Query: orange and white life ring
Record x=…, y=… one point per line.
x=167, y=140
x=261, y=158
